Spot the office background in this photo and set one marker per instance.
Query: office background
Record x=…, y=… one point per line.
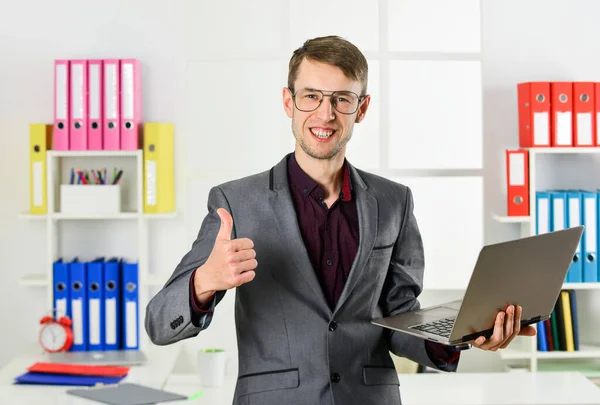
x=443, y=77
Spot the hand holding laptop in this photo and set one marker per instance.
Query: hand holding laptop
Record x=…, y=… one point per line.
x=506, y=327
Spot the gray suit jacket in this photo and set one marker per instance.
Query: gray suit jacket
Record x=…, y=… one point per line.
x=294, y=349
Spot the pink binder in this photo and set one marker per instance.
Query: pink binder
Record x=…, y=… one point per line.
x=111, y=123
x=131, y=103
x=60, y=136
x=79, y=105
x=95, y=79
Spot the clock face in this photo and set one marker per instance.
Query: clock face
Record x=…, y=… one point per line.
x=53, y=337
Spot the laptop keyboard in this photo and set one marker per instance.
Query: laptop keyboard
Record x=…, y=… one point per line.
x=441, y=327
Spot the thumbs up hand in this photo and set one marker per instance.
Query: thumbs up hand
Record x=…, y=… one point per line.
x=231, y=262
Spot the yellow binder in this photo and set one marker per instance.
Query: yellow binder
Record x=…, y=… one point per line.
x=40, y=140
x=568, y=325
x=159, y=170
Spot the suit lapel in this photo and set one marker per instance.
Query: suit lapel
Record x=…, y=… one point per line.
x=366, y=206
x=282, y=207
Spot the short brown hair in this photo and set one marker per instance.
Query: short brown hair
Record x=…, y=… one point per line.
x=334, y=51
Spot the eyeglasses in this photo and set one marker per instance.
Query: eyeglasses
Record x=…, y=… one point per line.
x=345, y=102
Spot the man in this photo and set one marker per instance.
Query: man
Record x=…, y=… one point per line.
x=316, y=249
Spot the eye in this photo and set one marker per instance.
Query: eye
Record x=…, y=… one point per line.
x=342, y=100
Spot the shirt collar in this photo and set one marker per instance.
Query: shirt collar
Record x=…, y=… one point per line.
x=298, y=178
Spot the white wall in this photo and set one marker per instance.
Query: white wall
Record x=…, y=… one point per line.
x=217, y=74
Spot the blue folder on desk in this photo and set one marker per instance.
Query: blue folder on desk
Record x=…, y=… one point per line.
x=64, y=379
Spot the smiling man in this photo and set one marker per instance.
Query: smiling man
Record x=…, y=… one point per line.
x=316, y=249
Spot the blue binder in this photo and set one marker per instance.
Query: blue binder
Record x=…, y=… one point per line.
x=130, y=315
x=542, y=342
x=79, y=305
x=64, y=379
x=95, y=291
x=112, y=304
x=575, y=218
x=590, y=236
x=543, y=212
x=60, y=282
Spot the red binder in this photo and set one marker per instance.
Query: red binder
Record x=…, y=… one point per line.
x=79, y=369
x=584, y=120
x=517, y=181
x=597, y=111
x=561, y=106
x=534, y=114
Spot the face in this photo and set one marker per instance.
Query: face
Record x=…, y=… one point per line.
x=324, y=132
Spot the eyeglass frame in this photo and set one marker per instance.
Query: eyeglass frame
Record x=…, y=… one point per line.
x=360, y=99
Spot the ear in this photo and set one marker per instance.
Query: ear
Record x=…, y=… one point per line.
x=288, y=102
x=362, y=110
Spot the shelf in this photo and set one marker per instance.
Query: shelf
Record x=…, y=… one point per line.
x=511, y=220
x=556, y=150
x=95, y=153
x=515, y=354
x=122, y=215
x=581, y=286
x=584, y=352
x=41, y=280
x=29, y=216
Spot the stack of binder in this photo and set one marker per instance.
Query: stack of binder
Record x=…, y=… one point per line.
x=561, y=331
x=70, y=374
x=101, y=298
x=561, y=209
x=97, y=104
x=558, y=114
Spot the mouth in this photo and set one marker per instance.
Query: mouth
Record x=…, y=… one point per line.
x=322, y=133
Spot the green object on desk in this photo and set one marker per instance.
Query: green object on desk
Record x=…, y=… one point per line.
x=195, y=396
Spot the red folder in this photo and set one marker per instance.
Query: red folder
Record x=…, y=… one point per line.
x=561, y=106
x=584, y=120
x=79, y=369
x=534, y=114
x=517, y=181
x=597, y=111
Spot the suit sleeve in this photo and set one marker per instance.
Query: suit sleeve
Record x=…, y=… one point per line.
x=174, y=302
x=403, y=285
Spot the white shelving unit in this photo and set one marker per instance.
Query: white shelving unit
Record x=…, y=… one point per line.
x=133, y=214
x=525, y=348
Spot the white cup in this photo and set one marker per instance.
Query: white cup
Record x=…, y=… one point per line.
x=211, y=367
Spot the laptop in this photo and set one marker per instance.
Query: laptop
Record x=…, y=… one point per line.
x=106, y=358
x=529, y=272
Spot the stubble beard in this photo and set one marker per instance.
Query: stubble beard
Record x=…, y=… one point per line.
x=313, y=153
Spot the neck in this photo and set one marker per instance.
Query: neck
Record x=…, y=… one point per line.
x=326, y=172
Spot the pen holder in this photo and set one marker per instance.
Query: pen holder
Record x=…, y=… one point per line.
x=90, y=199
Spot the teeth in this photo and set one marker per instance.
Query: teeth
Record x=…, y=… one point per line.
x=322, y=134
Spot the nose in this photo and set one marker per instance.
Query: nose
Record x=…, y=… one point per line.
x=325, y=110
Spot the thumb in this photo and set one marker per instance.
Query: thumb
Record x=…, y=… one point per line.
x=226, y=224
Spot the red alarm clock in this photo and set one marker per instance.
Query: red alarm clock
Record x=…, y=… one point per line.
x=56, y=335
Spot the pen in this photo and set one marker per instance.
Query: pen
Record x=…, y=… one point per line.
x=118, y=178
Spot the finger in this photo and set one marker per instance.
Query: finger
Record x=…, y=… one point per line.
x=226, y=224
x=245, y=277
x=242, y=244
x=244, y=255
x=497, y=336
x=528, y=331
x=247, y=265
x=509, y=326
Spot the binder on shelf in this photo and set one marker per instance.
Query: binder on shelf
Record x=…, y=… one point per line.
x=549, y=338
x=517, y=176
x=573, y=303
x=78, y=292
x=560, y=323
x=159, y=170
x=561, y=106
x=558, y=201
x=534, y=114
x=554, y=327
x=597, y=112
x=590, y=236
x=60, y=289
x=40, y=140
x=584, y=120
x=131, y=104
x=95, y=291
x=542, y=212
x=574, y=218
x=111, y=128
x=95, y=104
x=566, y=304
x=130, y=288
x=78, y=118
x=112, y=304
x=60, y=139
x=541, y=337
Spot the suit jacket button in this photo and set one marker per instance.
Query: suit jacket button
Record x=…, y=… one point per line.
x=332, y=326
x=335, y=377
